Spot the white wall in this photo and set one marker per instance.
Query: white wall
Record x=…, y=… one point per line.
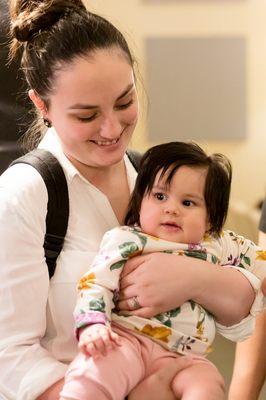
x=141, y=18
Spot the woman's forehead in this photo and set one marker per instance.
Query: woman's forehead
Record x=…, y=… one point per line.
x=105, y=73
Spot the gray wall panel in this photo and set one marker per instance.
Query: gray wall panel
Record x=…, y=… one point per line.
x=196, y=88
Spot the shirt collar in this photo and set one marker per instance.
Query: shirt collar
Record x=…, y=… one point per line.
x=51, y=142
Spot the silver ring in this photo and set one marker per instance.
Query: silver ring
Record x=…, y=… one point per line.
x=134, y=303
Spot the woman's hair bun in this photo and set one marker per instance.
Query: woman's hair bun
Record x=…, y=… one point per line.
x=29, y=17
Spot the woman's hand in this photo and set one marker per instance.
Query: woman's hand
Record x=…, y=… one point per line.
x=160, y=281
x=95, y=340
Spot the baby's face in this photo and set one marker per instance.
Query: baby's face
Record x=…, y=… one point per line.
x=177, y=212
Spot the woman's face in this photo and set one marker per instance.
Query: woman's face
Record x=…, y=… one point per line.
x=94, y=108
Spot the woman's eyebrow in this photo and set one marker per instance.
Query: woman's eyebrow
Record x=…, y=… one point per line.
x=80, y=106
x=126, y=91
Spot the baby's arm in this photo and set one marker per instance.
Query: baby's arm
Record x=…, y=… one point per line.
x=95, y=340
x=96, y=289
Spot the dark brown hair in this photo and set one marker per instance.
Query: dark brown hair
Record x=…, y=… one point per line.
x=55, y=32
x=167, y=158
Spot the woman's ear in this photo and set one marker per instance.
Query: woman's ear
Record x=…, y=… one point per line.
x=38, y=102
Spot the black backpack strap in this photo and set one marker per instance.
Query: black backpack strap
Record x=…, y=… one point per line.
x=135, y=158
x=58, y=202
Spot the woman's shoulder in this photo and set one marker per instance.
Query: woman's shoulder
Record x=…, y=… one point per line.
x=22, y=183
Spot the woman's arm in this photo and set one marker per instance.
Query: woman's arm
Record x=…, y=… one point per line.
x=177, y=279
x=27, y=368
x=250, y=358
x=250, y=364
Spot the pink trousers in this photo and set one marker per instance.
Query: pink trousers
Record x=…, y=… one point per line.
x=116, y=374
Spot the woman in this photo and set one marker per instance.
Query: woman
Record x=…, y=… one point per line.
x=250, y=361
x=81, y=78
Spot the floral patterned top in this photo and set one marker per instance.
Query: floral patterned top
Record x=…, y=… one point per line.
x=186, y=329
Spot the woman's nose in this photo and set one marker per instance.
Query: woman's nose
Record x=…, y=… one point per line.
x=111, y=127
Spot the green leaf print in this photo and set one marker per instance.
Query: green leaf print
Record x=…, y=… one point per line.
x=117, y=265
x=192, y=304
x=142, y=238
x=197, y=254
x=97, y=305
x=173, y=313
x=165, y=318
x=247, y=260
x=214, y=259
x=128, y=248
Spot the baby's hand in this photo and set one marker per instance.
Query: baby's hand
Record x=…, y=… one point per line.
x=95, y=340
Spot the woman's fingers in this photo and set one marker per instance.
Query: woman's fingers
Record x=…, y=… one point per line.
x=128, y=292
x=145, y=312
x=131, y=265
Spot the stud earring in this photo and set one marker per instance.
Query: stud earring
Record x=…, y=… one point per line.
x=47, y=122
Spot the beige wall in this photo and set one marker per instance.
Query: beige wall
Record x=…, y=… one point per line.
x=139, y=19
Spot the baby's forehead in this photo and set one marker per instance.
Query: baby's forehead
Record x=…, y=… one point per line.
x=164, y=176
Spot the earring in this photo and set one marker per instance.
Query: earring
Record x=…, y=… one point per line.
x=47, y=123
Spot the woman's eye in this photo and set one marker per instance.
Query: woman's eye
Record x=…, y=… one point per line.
x=124, y=106
x=87, y=119
x=188, y=203
x=160, y=196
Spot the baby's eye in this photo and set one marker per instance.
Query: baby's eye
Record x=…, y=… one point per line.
x=188, y=203
x=160, y=196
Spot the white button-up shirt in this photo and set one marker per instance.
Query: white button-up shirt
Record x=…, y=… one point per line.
x=36, y=317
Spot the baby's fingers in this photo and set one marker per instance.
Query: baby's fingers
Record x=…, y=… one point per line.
x=115, y=338
x=89, y=349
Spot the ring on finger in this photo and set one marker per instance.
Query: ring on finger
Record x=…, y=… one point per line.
x=134, y=303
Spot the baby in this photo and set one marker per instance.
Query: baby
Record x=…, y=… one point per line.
x=179, y=205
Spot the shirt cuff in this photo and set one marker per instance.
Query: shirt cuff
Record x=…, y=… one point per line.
x=88, y=318
x=260, y=302
x=238, y=332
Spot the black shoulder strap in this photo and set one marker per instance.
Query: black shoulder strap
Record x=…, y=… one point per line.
x=135, y=158
x=58, y=202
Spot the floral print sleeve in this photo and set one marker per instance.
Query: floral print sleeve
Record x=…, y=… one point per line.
x=249, y=259
x=97, y=289
x=188, y=328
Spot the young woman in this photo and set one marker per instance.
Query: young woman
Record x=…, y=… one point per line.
x=81, y=79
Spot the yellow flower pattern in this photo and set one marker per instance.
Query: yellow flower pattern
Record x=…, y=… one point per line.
x=157, y=332
x=87, y=281
x=261, y=255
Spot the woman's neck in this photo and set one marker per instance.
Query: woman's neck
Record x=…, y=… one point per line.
x=112, y=181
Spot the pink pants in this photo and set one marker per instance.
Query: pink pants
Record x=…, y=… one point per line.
x=116, y=374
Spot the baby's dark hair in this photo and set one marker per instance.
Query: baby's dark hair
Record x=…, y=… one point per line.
x=168, y=158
